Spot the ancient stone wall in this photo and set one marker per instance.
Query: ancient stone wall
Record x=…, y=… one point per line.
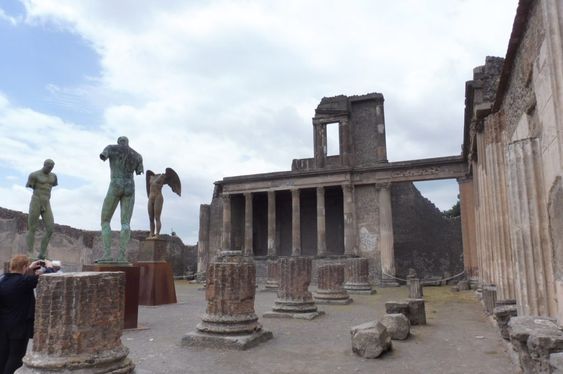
x=75, y=247
x=517, y=163
x=424, y=239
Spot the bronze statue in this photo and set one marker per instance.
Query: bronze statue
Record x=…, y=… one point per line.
x=154, y=192
x=41, y=181
x=123, y=162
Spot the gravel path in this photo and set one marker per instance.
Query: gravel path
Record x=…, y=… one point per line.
x=457, y=339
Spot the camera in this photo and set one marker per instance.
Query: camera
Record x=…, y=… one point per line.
x=41, y=263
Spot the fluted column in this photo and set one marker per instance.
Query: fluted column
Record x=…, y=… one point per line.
x=321, y=222
x=357, y=276
x=295, y=223
x=532, y=249
x=226, y=238
x=248, y=248
x=468, y=232
x=349, y=237
x=386, y=229
x=272, y=223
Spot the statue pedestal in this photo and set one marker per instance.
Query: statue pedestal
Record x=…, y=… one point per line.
x=131, y=312
x=156, y=286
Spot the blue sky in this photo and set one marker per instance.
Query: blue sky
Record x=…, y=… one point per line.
x=221, y=88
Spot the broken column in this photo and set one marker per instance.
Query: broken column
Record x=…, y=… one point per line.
x=413, y=309
x=294, y=299
x=273, y=281
x=330, y=288
x=489, y=297
x=78, y=324
x=230, y=320
x=415, y=288
x=357, y=276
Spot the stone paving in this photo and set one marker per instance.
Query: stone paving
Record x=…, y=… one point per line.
x=458, y=338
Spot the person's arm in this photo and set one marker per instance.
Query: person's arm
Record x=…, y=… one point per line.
x=56, y=181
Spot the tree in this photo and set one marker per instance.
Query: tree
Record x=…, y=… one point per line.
x=454, y=211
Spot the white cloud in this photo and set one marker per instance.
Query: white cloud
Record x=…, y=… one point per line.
x=222, y=88
x=9, y=19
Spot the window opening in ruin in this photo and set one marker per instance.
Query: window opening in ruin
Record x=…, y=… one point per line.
x=332, y=139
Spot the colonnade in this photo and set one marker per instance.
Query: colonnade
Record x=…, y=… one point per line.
x=349, y=232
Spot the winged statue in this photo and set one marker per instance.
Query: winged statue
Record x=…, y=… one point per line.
x=154, y=192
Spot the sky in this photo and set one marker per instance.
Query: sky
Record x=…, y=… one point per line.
x=224, y=88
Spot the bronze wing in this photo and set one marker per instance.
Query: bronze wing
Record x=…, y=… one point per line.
x=173, y=181
x=148, y=179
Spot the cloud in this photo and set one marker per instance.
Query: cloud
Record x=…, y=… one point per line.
x=9, y=19
x=224, y=88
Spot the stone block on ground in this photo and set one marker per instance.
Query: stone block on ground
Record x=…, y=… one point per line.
x=534, y=339
x=502, y=315
x=398, y=325
x=393, y=307
x=370, y=339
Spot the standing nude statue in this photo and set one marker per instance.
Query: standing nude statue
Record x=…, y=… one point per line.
x=41, y=181
x=154, y=192
x=123, y=162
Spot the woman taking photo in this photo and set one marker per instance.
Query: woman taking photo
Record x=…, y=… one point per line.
x=17, y=309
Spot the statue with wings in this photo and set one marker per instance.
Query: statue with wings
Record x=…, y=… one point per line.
x=154, y=192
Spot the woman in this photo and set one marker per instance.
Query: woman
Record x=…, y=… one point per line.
x=17, y=309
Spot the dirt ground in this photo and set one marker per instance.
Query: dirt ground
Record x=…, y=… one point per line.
x=459, y=338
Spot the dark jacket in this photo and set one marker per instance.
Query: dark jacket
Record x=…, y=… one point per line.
x=17, y=305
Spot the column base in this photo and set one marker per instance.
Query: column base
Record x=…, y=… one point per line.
x=359, y=288
x=388, y=282
x=106, y=362
x=228, y=341
x=347, y=301
x=306, y=316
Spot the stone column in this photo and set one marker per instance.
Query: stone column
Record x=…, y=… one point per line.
x=273, y=282
x=386, y=232
x=226, y=238
x=203, y=239
x=229, y=320
x=248, y=248
x=357, y=276
x=330, y=288
x=468, y=233
x=531, y=246
x=319, y=143
x=321, y=222
x=294, y=299
x=78, y=324
x=295, y=223
x=272, y=223
x=348, y=208
x=415, y=288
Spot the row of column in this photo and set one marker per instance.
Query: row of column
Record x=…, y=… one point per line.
x=348, y=212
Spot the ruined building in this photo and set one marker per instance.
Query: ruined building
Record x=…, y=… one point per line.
x=512, y=197
x=338, y=206
x=509, y=174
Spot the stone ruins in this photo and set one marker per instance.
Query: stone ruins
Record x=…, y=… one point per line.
x=350, y=221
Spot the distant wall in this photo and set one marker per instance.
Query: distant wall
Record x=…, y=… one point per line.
x=75, y=247
x=424, y=239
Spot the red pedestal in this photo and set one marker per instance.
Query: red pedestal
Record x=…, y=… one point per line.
x=156, y=285
x=131, y=314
